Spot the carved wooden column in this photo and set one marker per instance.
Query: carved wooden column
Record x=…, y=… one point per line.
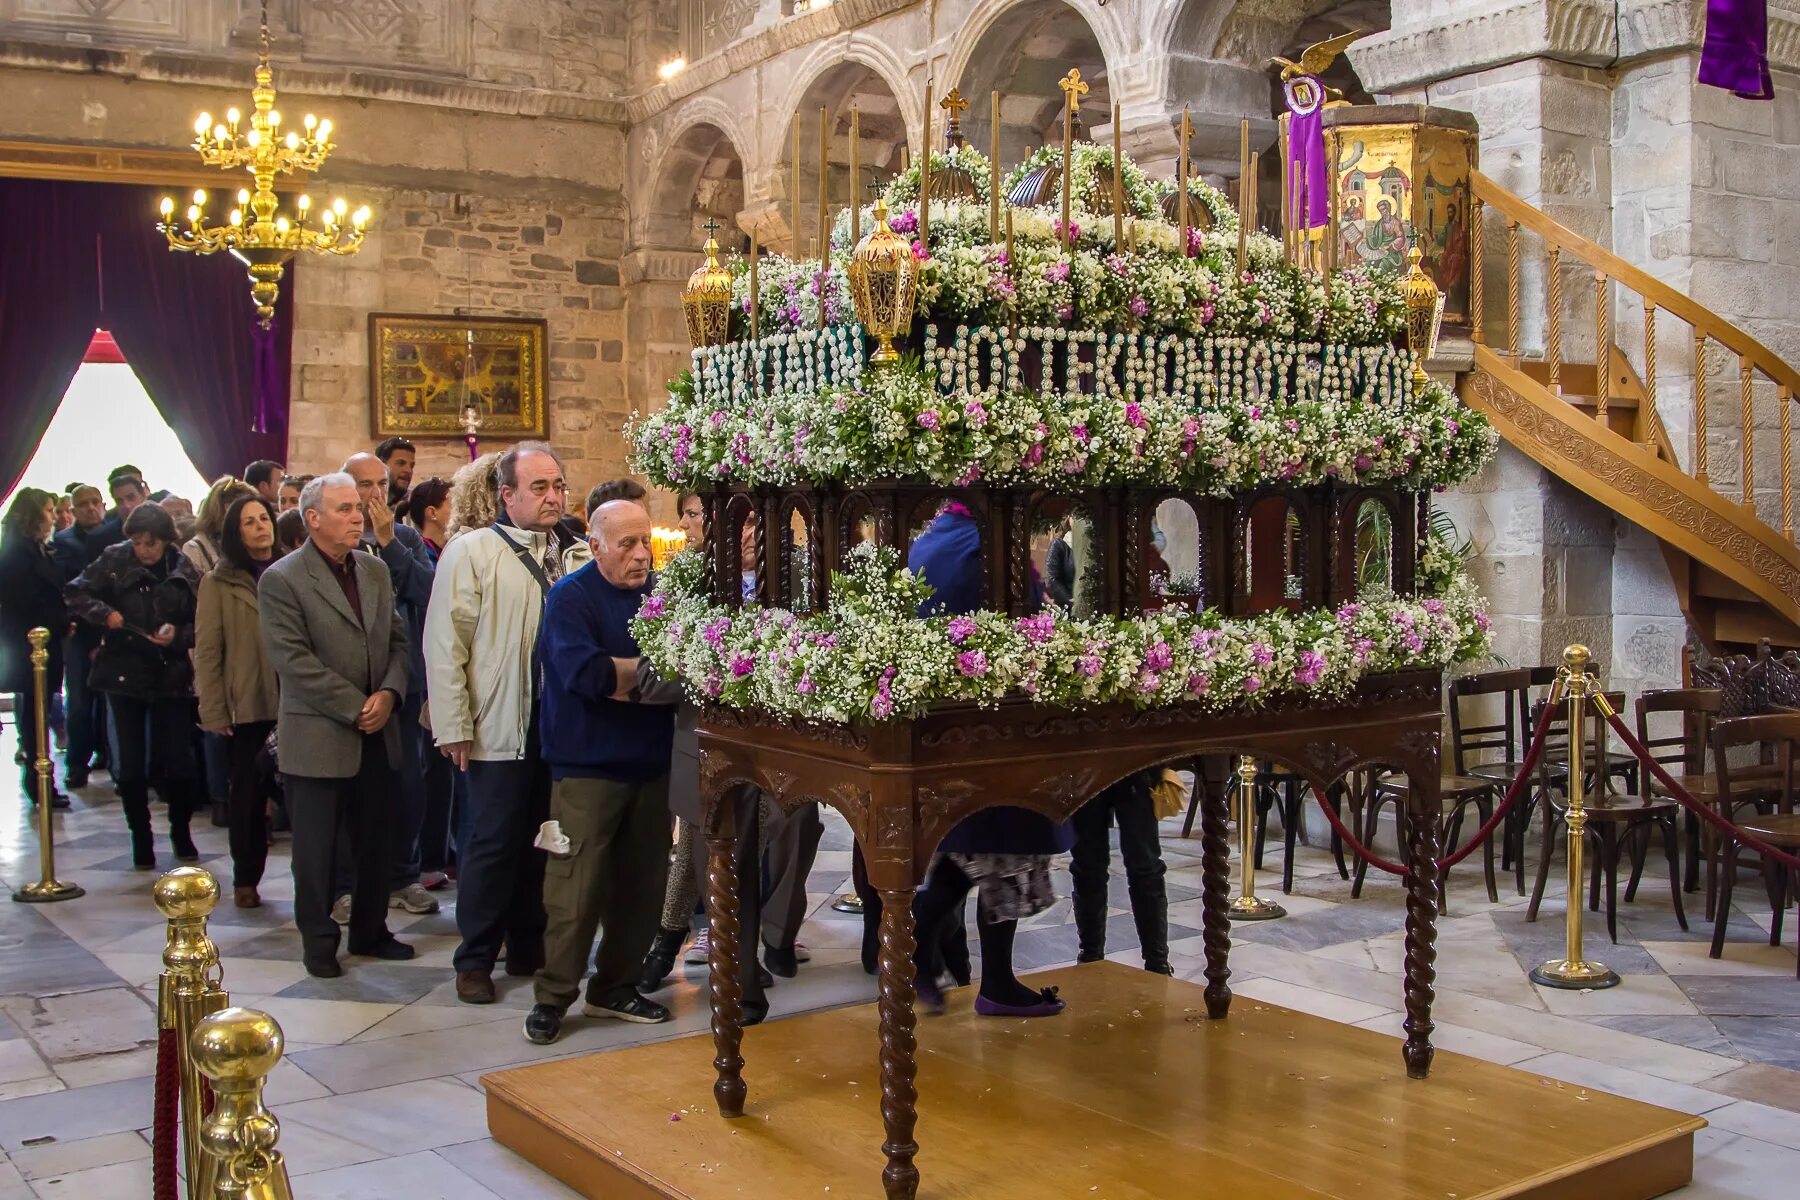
x=1424, y=807
x=894, y=871
x=1215, y=894
x=722, y=922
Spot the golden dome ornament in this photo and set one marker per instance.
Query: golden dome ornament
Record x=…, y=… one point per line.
x=952, y=182
x=707, y=297
x=1424, y=313
x=884, y=278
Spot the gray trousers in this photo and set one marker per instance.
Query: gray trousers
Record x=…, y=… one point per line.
x=611, y=880
x=792, y=843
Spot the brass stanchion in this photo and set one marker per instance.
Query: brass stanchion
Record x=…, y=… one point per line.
x=1573, y=971
x=850, y=903
x=1248, y=907
x=48, y=888
x=236, y=1049
x=188, y=992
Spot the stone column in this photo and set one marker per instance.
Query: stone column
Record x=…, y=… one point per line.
x=657, y=333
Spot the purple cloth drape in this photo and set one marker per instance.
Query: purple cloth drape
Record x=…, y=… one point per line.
x=184, y=322
x=1306, y=168
x=49, y=308
x=1735, y=54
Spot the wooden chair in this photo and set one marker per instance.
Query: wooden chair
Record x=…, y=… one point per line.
x=1460, y=793
x=1683, y=754
x=1781, y=731
x=1493, y=750
x=1614, y=821
x=1275, y=785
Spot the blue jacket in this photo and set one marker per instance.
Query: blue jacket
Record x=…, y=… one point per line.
x=948, y=555
x=74, y=548
x=583, y=732
x=412, y=568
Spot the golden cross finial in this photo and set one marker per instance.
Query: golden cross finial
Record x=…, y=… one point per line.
x=1073, y=88
x=954, y=104
x=712, y=227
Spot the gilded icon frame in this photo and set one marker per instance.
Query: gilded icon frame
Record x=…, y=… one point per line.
x=427, y=370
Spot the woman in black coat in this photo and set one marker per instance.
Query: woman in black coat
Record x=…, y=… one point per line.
x=142, y=594
x=31, y=596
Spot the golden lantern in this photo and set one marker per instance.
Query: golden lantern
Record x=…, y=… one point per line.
x=707, y=297
x=1424, y=313
x=883, y=280
x=254, y=233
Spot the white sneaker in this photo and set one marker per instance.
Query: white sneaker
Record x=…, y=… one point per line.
x=414, y=899
x=700, y=949
x=340, y=912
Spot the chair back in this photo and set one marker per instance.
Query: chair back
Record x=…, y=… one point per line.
x=1779, y=732
x=1471, y=743
x=1683, y=752
x=1556, y=739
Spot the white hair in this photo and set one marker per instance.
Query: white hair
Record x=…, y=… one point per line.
x=312, y=496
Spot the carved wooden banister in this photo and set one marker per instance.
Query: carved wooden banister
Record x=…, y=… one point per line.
x=1649, y=289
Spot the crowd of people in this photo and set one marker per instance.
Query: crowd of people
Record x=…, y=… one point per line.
x=433, y=683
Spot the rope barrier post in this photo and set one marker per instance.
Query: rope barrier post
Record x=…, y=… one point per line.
x=1247, y=907
x=848, y=902
x=235, y=1049
x=1573, y=971
x=188, y=992
x=48, y=889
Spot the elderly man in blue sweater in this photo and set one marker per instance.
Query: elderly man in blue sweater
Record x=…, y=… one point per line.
x=607, y=730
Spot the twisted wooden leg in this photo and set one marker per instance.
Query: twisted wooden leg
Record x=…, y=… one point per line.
x=722, y=972
x=899, y=1065
x=1422, y=885
x=1215, y=892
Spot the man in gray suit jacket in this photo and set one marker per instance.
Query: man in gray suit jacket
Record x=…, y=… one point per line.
x=339, y=649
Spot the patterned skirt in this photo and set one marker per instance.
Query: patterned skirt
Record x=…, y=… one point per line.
x=1009, y=886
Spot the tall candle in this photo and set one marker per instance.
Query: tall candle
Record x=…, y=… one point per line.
x=1288, y=223
x=1250, y=205
x=1243, y=183
x=1068, y=160
x=755, y=292
x=794, y=190
x=1009, y=240
x=824, y=187
x=994, y=174
x=925, y=177
x=1181, y=179
x=1118, y=185
x=855, y=175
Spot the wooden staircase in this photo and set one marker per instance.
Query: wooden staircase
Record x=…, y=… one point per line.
x=1736, y=573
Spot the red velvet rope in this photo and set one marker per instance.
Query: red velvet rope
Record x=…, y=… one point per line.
x=166, y=1116
x=1705, y=811
x=1513, y=792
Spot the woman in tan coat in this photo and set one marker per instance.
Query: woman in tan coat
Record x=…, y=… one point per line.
x=235, y=682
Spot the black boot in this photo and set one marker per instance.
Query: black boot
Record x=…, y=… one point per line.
x=871, y=932
x=1150, y=911
x=661, y=959
x=136, y=800
x=180, y=841
x=1090, y=924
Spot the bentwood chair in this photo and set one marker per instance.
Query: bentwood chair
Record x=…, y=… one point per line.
x=1781, y=732
x=1460, y=793
x=1488, y=740
x=1683, y=754
x=1615, y=821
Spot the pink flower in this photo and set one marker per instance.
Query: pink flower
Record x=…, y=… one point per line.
x=1482, y=623
x=1057, y=272
x=1159, y=657
x=1261, y=654
x=1140, y=307
x=1252, y=684
x=961, y=630
x=1363, y=462
x=1207, y=312
x=1079, y=432
x=715, y=632
x=806, y=686
x=1149, y=682
x=1038, y=629
x=1134, y=415
x=742, y=664
x=653, y=608
x=1197, y=684
x=976, y=413
x=919, y=252
x=972, y=663
x=1074, y=231
x=1088, y=665
x=1312, y=666
x=969, y=476
x=906, y=222
x=927, y=419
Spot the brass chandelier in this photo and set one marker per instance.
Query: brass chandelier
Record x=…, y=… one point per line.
x=254, y=232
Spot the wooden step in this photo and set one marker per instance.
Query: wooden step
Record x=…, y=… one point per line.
x=1708, y=582
x=1744, y=626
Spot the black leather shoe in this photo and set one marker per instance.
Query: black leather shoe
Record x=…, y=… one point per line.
x=781, y=960
x=543, y=1024
x=661, y=959
x=634, y=1008
x=754, y=1014
x=183, y=845
x=1159, y=968
x=394, y=950
x=75, y=780
x=323, y=968
x=763, y=977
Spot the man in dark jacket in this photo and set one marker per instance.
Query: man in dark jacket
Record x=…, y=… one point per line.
x=1059, y=566
x=607, y=743
x=74, y=549
x=409, y=565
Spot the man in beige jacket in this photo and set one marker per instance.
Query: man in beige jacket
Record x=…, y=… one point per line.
x=481, y=633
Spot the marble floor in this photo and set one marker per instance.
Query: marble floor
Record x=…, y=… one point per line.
x=379, y=1094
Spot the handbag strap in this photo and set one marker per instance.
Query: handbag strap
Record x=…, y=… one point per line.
x=524, y=556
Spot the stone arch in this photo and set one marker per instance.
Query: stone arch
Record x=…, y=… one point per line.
x=1022, y=47
x=1252, y=31
x=853, y=76
x=700, y=174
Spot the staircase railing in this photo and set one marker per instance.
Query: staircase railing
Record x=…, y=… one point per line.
x=1756, y=362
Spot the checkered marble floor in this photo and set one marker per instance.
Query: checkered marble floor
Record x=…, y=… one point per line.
x=378, y=1096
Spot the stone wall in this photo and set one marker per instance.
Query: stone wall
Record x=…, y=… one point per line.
x=434, y=252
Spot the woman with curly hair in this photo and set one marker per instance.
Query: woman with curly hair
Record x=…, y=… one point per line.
x=474, y=496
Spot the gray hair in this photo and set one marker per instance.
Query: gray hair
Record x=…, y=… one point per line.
x=506, y=469
x=312, y=496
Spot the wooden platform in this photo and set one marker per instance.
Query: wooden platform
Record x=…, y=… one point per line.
x=1132, y=1094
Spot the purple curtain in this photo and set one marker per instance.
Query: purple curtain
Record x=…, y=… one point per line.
x=1306, y=170
x=1735, y=55
x=187, y=326
x=49, y=308
x=87, y=255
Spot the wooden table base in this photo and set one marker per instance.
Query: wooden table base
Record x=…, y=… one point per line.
x=1131, y=1094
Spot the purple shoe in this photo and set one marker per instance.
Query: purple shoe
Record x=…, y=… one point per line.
x=930, y=996
x=1047, y=1006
